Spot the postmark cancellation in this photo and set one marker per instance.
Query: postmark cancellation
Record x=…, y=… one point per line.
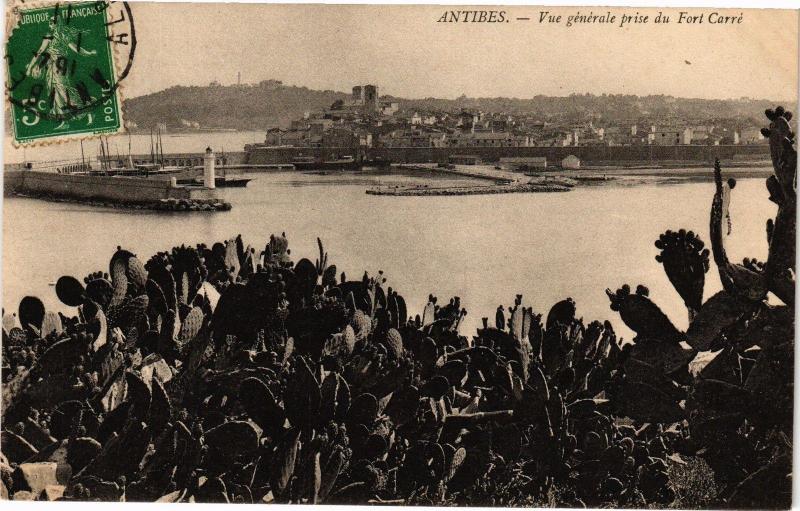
x=65, y=66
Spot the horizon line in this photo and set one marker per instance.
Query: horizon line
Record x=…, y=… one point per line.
x=795, y=102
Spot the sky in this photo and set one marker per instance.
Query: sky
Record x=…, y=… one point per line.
x=407, y=53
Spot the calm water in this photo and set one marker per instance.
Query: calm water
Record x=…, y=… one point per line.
x=484, y=249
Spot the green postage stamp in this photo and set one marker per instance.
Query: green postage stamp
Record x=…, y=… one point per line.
x=63, y=69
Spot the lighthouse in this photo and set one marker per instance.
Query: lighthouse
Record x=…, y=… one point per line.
x=209, y=178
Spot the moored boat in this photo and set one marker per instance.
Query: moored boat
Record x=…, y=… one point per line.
x=219, y=182
x=311, y=163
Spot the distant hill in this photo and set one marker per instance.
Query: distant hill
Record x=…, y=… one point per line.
x=270, y=103
x=257, y=107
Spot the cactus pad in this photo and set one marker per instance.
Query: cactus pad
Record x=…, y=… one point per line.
x=685, y=261
x=70, y=291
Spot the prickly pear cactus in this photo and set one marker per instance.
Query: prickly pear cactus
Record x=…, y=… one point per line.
x=119, y=280
x=136, y=272
x=737, y=279
x=642, y=315
x=191, y=324
x=232, y=258
x=780, y=266
x=394, y=343
x=99, y=288
x=277, y=251
x=51, y=324
x=70, y=291
x=685, y=261
x=361, y=325
x=736, y=398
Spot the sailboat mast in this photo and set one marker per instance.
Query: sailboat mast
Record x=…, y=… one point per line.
x=129, y=163
x=83, y=158
x=108, y=154
x=102, y=156
x=152, y=155
x=160, y=148
x=222, y=167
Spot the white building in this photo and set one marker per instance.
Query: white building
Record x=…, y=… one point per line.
x=571, y=162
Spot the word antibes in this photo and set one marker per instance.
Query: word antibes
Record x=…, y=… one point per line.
x=473, y=17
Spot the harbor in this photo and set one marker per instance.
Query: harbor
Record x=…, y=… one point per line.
x=177, y=181
x=165, y=171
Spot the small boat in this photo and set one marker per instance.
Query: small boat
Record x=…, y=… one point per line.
x=232, y=182
x=304, y=162
x=311, y=163
x=378, y=162
x=592, y=179
x=219, y=182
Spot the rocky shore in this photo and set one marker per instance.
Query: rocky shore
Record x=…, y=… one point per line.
x=226, y=373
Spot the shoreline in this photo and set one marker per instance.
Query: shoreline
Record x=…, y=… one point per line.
x=672, y=164
x=676, y=172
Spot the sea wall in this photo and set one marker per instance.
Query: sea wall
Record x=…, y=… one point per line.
x=181, y=159
x=124, y=189
x=254, y=155
x=554, y=155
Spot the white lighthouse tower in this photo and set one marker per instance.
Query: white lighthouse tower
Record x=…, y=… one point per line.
x=209, y=177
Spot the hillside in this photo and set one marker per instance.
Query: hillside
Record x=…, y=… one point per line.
x=607, y=109
x=270, y=103
x=266, y=104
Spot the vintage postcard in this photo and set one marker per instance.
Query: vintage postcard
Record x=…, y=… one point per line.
x=512, y=256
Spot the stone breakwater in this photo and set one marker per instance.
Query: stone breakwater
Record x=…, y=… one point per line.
x=223, y=373
x=191, y=205
x=114, y=192
x=419, y=191
x=176, y=205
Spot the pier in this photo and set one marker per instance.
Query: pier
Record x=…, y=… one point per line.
x=116, y=192
x=424, y=191
x=485, y=172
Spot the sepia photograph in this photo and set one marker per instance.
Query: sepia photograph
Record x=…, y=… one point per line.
x=403, y=255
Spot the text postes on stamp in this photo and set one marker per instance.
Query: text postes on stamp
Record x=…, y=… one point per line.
x=62, y=73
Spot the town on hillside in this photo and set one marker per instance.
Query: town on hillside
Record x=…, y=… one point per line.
x=364, y=120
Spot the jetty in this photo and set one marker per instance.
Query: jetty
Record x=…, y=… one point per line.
x=485, y=172
x=117, y=191
x=425, y=191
